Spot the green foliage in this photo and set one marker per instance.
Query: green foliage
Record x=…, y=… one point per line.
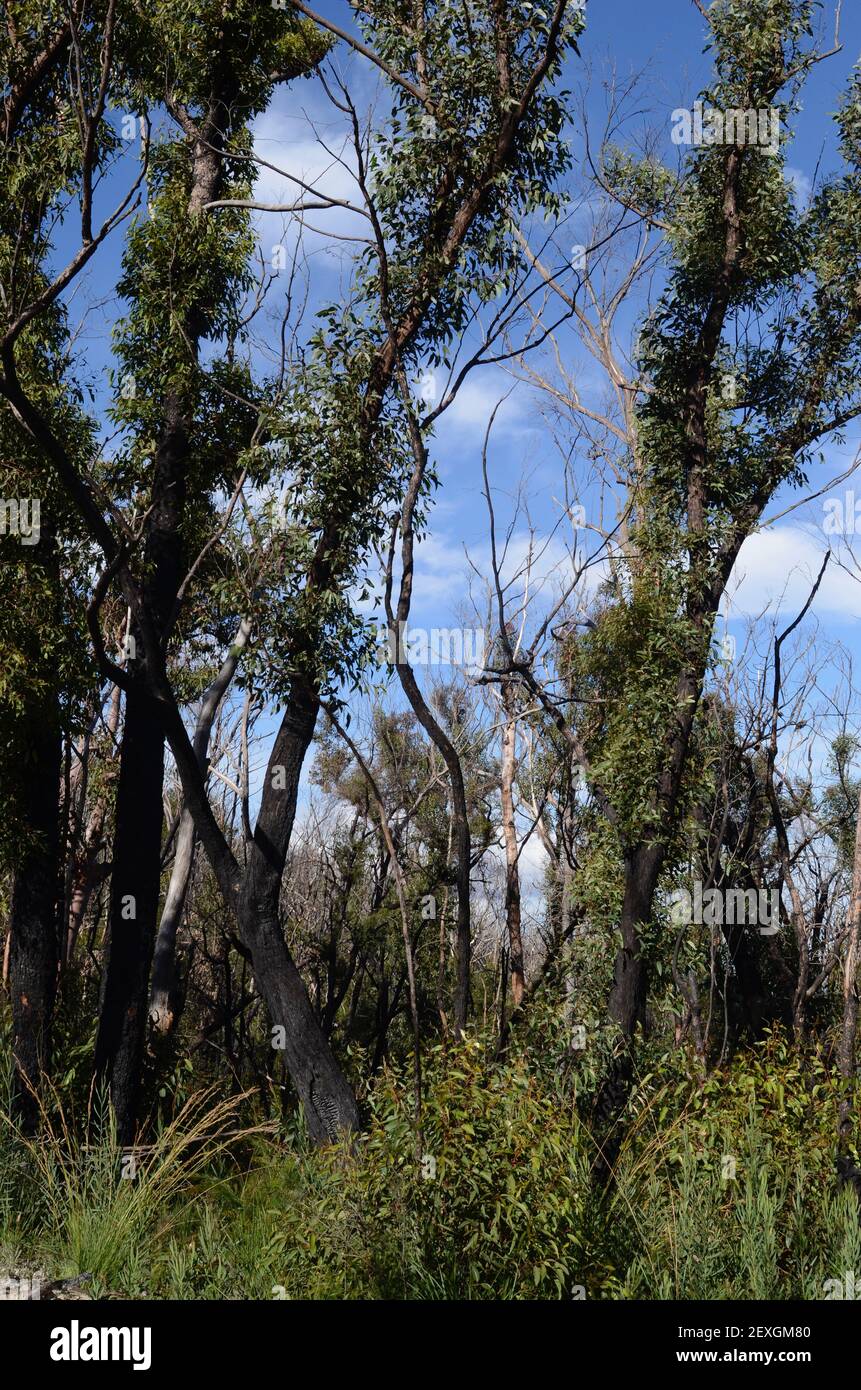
x=499, y=1215
x=725, y=1188
x=427, y=164
x=175, y=45
x=840, y=798
x=727, y=1184
x=725, y=415
x=442, y=201
x=630, y=661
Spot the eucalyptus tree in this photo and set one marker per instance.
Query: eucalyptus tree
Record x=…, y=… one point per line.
x=187, y=424
x=42, y=564
x=184, y=275
x=746, y=364
x=470, y=127
x=749, y=361
x=436, y=197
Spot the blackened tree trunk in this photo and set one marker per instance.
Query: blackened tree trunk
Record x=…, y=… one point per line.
x=330, y=1106
x=462, y=838
x=136, y=877
x=627, y=1005
x=628, y=998
x=134, y=903
x=34, y=919
x=34, y=945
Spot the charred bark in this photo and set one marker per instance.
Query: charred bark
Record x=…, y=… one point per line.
x=34, y=946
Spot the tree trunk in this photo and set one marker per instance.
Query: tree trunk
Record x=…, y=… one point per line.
x=849, y=1029
x=462, y=837
x=330, y=1106
x=136, y=873
x=135, y=884
x=162, y=992
x=509, y=831
x=163, y=987
x=627, y=1004
x=136, y=878
x=33, y=920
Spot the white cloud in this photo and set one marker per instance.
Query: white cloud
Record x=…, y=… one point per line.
x=802, y=188
x=289, y=143
x=444, y=574
x=533, y=866
x=776, y=570
x=475, y=402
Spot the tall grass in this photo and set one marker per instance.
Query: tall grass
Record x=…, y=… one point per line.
x=731, y=1198
x=90, y=1209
